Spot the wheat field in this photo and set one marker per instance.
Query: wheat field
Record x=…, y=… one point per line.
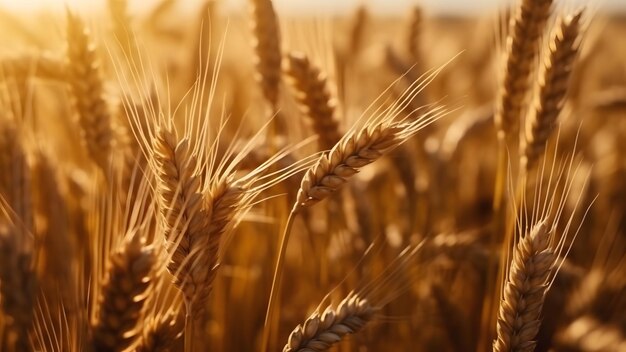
x=260, y=181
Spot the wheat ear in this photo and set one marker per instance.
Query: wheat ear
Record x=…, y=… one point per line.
x=522, y=46
x=124, y=292
x=87, y=86
x=525, y=291
x=266, y=31
x=185, y=215
x=320, y=332
x=552, y=87
x=334, y=168
x=314, y=98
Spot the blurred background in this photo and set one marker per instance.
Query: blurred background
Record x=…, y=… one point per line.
x=319, y=6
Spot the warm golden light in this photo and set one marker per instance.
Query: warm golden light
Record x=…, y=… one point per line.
x=312, y=175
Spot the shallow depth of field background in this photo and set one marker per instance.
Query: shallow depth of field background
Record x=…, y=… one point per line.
x=318, y=6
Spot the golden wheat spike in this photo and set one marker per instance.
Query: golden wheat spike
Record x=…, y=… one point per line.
x=551, y=89
x=87, y=86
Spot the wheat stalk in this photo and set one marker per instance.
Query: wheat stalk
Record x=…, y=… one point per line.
x=314, y=97
x=124, y=292
x=454, y=322
x=552, y=87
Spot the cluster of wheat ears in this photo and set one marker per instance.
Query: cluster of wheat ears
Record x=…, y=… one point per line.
x=173, y=182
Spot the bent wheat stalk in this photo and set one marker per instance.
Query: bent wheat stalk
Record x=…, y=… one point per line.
x=359, y=147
